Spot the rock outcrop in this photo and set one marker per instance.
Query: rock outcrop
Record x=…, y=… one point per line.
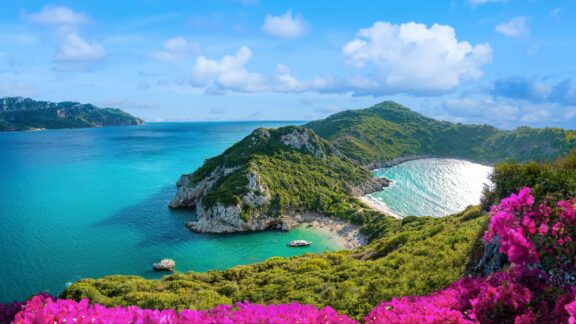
x=371, y=185
x=190, y=192
x=249, y=209
x=164, y=265
x=488, y=261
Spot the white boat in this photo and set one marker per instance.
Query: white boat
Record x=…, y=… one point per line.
x=298, y=243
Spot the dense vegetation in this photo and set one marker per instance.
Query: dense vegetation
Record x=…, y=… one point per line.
x=548, y=180
x=26, y=114
x=389, y=130
x=412, y=256
x=416, y=256
x=314, y=177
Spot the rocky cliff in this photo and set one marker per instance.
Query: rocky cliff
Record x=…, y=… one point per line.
x=232, y=192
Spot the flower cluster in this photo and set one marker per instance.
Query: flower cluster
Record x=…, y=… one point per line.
x=530, y=234
x=8, y=311
x=538, y=287
x=43, y=309
x=500, y=298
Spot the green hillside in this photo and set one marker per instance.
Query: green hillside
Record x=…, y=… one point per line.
x=389, y=130
x=295, y=171
x=18, y=114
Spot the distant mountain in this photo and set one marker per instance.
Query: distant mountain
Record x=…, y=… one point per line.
x=17, y=114
x=374, y=136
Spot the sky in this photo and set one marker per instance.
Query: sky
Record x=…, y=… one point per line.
x=507, y=63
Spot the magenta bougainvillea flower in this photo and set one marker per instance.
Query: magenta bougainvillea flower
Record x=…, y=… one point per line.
x=43, y=309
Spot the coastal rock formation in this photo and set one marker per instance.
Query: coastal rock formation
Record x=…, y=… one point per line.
x=190, y=191
x=164, y=265
x=299, y=139
x=369, y=186
x=231, y=192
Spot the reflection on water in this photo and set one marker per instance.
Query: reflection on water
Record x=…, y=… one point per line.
x=432, y=187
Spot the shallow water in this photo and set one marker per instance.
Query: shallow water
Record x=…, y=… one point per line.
x=93, y=202
x=432, y=187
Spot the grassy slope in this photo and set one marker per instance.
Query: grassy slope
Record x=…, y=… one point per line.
x=414, y=256
x=389, y=130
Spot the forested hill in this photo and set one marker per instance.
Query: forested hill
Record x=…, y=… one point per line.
x=389, y=130
x=17, y=113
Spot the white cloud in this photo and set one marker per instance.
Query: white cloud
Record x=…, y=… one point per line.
x=176, y=49
x=75, y=48
x=285, y=26
x=73, y=52
x=58, y=15
x=413, y=58
x=506, y=112
x=516, y=27
x=555, y=13
x=409, y=58
x=227, y=74
x=230, y=74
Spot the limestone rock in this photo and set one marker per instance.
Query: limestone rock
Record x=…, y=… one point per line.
x=164, y=265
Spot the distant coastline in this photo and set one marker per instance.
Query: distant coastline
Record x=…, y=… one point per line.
x=25, y=114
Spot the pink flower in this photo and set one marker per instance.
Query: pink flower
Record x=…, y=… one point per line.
x=571, y=309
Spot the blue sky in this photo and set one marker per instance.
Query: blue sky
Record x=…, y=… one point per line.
x=502, y=62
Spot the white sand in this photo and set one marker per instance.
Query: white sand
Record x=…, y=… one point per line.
x=348, y=233
x=377, y=206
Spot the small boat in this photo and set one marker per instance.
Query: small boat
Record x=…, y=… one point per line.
x=298, y=243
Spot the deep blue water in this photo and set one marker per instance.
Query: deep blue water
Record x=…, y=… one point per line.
x=93, y=202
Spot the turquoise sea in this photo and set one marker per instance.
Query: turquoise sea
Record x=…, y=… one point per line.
x=93, y=202
x=432, y=187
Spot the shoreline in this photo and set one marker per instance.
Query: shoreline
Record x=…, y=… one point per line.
x=375, y=166
x=377, y=206
x=347, y=233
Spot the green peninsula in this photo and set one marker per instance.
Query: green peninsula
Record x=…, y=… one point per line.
x=21, y=114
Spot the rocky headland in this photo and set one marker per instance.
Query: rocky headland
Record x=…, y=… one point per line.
x=231, y=193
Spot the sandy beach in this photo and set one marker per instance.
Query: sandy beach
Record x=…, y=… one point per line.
x=348, y=233
x=378, y=206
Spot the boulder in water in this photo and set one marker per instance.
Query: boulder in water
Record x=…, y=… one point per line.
x=164, y=265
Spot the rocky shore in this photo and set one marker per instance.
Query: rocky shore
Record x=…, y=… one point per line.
x=393, y=162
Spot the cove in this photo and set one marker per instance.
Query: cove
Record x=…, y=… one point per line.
x=432, y=187
x=86, y=203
